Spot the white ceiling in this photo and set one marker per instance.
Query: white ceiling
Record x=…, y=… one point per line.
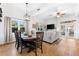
x=46, y=10
x=16, y=10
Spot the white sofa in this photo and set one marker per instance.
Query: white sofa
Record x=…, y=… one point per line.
x=50, y=36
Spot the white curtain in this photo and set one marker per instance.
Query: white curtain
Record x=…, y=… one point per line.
x=8, y=29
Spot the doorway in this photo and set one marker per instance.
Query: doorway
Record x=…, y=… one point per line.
x=67, y=30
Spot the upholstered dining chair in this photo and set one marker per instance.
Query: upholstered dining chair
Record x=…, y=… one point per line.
x=39, y=41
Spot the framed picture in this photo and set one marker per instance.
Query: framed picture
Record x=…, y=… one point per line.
x=62, y=29
x=34, y=26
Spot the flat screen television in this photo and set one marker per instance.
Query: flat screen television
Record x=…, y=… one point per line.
x=50, y=26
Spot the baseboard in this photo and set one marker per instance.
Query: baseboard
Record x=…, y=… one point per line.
x=7, y=43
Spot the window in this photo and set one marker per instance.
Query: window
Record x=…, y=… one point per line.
x=14, y=26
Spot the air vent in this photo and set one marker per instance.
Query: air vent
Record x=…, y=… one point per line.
x=38, y=9
x=27, y=3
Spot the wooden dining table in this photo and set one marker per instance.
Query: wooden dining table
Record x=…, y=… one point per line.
x=29, y=39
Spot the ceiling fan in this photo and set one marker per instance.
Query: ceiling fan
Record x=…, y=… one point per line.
x=59, y=13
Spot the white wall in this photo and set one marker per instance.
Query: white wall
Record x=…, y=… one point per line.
x=51, y=21
x=2, y=31
x=31, y=22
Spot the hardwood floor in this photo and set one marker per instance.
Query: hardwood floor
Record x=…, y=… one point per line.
x=65, y=47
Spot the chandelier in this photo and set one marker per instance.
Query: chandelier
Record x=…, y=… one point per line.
x=26, y=16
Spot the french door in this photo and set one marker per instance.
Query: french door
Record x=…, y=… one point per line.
x=67, y=30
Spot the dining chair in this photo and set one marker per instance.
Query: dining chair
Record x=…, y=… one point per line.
x=20, y=44
x=24, y=43
x=39, y=41
x=17, y=40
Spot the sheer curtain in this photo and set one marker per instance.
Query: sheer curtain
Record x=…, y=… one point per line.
x=8, y=29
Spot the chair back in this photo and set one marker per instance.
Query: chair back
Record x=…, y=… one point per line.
x=19, y=36
x=39, y=36
x=16, y=36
